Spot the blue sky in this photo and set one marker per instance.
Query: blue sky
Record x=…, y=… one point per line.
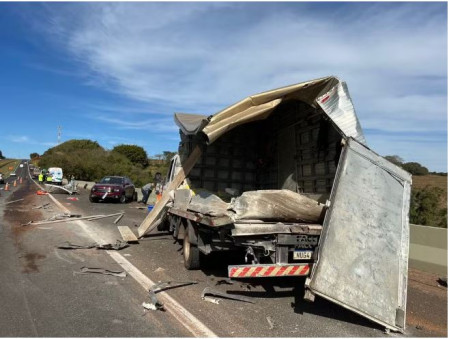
x=116, y=72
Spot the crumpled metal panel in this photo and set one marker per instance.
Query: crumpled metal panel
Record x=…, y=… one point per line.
x=338, y=105
x=279, y=205
x=363, y=255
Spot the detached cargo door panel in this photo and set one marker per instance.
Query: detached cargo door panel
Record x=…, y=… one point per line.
x=363, y=256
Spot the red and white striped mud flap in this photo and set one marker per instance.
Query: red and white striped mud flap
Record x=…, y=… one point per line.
x=267, y=271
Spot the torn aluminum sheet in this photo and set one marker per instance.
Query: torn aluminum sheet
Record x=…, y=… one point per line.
x=208, y=203
x=117, y=246
x=44, y=206
x=279, y=205
x=155, y=304
x=58, y=189
x=210, y=291
x=68, y=246
x=211, y=300
x=87, y=270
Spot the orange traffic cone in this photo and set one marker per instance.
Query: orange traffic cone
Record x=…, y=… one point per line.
x=15, y=183
x=7, y=187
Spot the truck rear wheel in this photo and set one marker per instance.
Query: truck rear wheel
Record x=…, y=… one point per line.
x=191, y=254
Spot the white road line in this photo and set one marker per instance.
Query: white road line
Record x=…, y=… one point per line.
x=182, y=315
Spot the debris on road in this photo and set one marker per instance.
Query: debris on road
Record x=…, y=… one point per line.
x=127, y=234
x=44, y=206
x=210, y=291
x=159, y=269
x=211, y=300
x=68, y=246
x=87, y=270
x=155, y=304
x=271, y=323
x=117, y=246
x=41, y=192
x=72, y=198
x=224, y=282
x=118, y=218
x=10, y=202
x=89, y=218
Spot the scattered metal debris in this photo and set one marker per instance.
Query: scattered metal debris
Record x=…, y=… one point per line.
x=117, y=246
x=224, y=282
x=72, y=198
x=89, y=218
x=210, y=291
x=87, y=270
x=10, y=202
x=118, y=218
x=271, y=323
x=44, y=206
x=211, y=300
x=155, y=304
x=68, y=246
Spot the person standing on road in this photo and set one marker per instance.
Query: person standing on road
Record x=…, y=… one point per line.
x=146, y=190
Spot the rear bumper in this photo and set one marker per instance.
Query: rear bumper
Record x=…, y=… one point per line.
x=268, y=270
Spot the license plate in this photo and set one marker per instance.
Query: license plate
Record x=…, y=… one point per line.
x=302, y=255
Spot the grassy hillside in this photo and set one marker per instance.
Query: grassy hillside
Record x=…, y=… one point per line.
x=439, y=181
x=5, y=164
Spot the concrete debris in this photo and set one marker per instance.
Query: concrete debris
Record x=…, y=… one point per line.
x=271, y=323
x=210, y=291
x=87, y=270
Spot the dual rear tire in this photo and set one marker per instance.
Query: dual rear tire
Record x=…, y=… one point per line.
x=191, y=253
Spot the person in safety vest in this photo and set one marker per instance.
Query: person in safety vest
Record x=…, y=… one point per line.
x=41, y=177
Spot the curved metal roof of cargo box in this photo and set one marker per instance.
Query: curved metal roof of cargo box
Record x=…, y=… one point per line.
x=329, y=93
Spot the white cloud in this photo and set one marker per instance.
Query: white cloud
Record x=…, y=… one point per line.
x=200, y=57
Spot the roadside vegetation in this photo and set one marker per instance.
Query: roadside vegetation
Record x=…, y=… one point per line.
x=7, y=166
x=428, y=194
x=87, y=160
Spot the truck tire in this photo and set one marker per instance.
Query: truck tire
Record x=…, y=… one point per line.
x=191, y=254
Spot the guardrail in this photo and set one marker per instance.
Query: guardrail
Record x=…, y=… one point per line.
x=428, y=249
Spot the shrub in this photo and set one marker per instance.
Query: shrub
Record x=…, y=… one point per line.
x=136, y=154
x=424, y=209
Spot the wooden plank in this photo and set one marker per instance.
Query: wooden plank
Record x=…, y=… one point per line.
x=157, y=212
x=127, y=234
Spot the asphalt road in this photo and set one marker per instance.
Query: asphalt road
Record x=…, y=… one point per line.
x=42, y=296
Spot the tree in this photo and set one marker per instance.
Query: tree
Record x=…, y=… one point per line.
x=415, y=168
x=1, y=155
x=395, y=159
x=136, y=154
x=34, y=155
x=167, y=155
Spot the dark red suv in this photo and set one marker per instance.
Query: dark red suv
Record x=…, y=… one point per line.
x=113, y=187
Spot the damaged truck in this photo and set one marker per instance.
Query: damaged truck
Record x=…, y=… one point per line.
x=287, y=178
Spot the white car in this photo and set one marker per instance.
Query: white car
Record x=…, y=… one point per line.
x=2, y=181
x=21, y=165
x=12, y=174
